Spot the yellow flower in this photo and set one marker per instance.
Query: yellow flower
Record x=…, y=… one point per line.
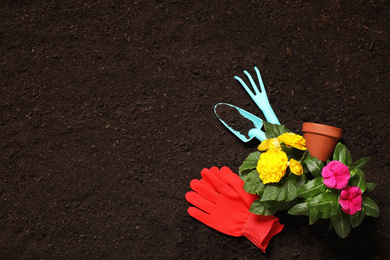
x=272, y=166
x=295, y=167
x=293, y=140
x=271, y=143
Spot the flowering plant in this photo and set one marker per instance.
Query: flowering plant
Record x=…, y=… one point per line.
x=285, y=177
x=336, y=192
x=276, y=171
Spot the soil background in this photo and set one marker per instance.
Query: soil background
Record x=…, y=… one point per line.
x=107, y=115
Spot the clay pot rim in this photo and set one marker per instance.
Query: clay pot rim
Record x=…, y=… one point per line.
x=322, y=129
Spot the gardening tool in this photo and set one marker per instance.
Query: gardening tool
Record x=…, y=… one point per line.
x=261, y=100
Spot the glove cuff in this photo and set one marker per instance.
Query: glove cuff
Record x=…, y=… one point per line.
x=260, y=229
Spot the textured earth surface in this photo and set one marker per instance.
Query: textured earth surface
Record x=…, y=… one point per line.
x=107, y=115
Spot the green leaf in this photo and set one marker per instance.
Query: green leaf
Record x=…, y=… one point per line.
x=342, y=154
x=264, y=208
x=276, y=192
x=253, y=183
x=361, y=163
x=357, y=179
x=298, y=181
x=314, y=215
x=323, y=202
x=292, y=152
x=311, y=188
x=340, y=223
x=249, y=163
x=370, y=207
x=274, y=130
x=285, y=190
x=297, y=154
x=370, y=186
x=291, y=191
x=357, y=219
x=353, y=171
x=286, y=149
x=315, y=166
x=326, y=215
x=306, y=155
x=271, y=192
x=285, y=205
x=300, y=209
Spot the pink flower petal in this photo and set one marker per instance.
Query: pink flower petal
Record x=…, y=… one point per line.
x=357, y=202
x=344, y=173
x=352, y=209
x=341, y=183
x=345, y=193
x=327, y=172
x=330, y=182
x=339, y=166
x=354, y=192
x=344, y=204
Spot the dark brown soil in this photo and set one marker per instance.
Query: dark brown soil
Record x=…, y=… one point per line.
x=107, y=115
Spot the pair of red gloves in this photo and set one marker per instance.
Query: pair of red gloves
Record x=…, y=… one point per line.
x=222, y=203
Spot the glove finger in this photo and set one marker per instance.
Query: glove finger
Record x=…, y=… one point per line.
x=234, y=181
x=213, y=222
x=200, y=202
x=214, y=181
x=199, y=215
x=218, y=173
x=214, y=170
x=204, y=189
x=231, y=178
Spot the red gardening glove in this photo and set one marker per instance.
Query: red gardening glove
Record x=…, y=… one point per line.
x=221, y=203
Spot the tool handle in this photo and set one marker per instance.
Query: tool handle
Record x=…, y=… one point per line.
x=257, y=133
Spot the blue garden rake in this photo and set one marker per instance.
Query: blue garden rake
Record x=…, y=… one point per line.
x=261, y=100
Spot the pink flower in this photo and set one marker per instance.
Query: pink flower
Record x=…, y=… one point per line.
x=336, y=175
x=351, y=199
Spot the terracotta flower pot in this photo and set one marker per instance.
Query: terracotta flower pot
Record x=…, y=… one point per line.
x=321, y=139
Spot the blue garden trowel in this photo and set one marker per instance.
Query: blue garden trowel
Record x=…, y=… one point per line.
x=261, y=100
